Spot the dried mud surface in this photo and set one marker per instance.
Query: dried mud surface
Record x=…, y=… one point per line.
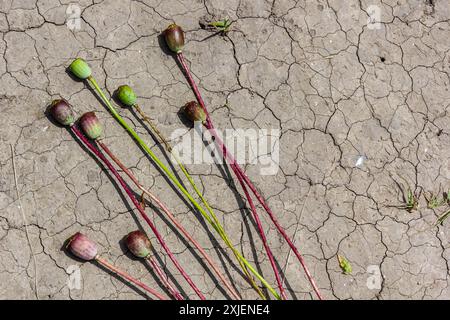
x=337, y=89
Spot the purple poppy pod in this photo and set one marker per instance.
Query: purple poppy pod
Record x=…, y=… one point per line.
x=174, y=37
x=194, y=112
x=82, y=247
x=91, y=126
x=139, y=244
x=62, y=112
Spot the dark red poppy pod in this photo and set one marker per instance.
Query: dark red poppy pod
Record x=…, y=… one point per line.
x=174, y=37
x=194, y=112
x=139, y=244
x=62, y=112
x=82, y=247
x=90, y=125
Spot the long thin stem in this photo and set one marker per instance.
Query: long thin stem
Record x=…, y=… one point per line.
x=99, y=155
x=25, y=222
x=169, y=148
x=242, y=261
x=155, y=266
x=295, y=233
x=171, y=218
x=280, y=229
x=198, y=96
x=262, y=234
x=155, y=129
x=126, y=276
x=231, y=160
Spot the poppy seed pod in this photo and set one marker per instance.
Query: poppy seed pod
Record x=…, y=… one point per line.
x=174, y=37
x=194, y=112
x=139, y=244
x=62, y=112
x=90, y=125
x=82, y=247
x=126, y=95
x=80, y=68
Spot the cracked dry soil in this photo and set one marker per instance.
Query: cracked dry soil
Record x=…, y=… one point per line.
x=336, y=87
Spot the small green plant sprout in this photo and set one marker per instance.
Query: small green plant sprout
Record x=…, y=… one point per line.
x=344, y=264
x=433, y=201
x=222, y=25
x=411, y=201
x=440, y=220
x=410, y=198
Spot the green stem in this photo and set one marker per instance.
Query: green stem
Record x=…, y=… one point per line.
x=217, y=227
x=216, y=222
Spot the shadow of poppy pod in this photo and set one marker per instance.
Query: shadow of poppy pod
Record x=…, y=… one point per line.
x=139, y=244
x=62, y=112
x=194, y=112
x=126, y=95
x=174, y=37
x=90, y=125
x=80, y=68
x=82, y=247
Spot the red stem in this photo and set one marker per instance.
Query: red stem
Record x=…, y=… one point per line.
x=172, y=219
x=261, y=232
x=259, y=225
x=209, y=125
x=194, y=87
x=283, y=232
x=124, y=275
x=138, y=206
x=233, y=162
x=258, y=221
x=249, y=199
x=154, y=264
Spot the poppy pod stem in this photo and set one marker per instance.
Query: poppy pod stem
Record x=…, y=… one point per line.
x=133, y=199
x=195, y=113
x=263, y=235
x=209, y=125
x=158, y=133
x=261, y=200
x=150, y=260
x=126, y=276
x=241, y=175
x=217, y=226
x=191, y=181
x=198, y=96
x=172, y=218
